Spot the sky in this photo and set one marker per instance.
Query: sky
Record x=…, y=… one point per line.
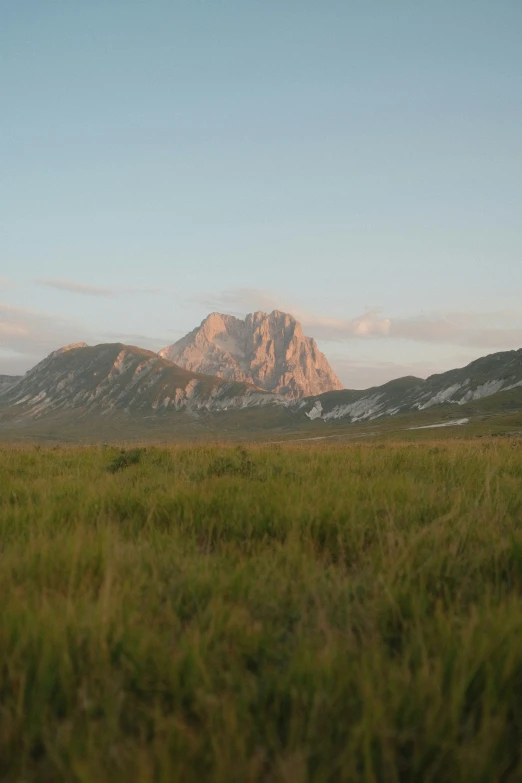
x=357, y=164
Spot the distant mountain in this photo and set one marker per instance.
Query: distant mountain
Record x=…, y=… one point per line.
x=114, y=389
x=267, y=350
x=113, y=378
x=498, y=372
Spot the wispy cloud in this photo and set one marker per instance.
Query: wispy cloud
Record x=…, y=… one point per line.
x=369, y=324
x=239, y=301
x=86, y=289
x=488, y=330
x=77, y=288
x=479, y=330
x=31, y=335
x=27, y=336
x=363, y=374
x=136, y=338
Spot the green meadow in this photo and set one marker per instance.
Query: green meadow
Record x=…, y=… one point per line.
x=276, y=613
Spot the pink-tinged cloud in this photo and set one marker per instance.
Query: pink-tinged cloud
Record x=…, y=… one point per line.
x=33, y=334
x=369, y=324
x=28, y=336
x=239, y=301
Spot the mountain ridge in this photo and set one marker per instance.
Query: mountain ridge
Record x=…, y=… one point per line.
x=81, y=383
x=113, y=376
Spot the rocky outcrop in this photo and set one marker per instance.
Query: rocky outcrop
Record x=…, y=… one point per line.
x=267, y=350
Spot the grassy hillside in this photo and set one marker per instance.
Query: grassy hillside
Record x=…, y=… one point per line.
x=207, y=613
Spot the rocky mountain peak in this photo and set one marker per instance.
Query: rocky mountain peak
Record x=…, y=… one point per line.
x=268, y=350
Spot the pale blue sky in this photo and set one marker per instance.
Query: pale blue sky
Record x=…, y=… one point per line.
x=357, y=163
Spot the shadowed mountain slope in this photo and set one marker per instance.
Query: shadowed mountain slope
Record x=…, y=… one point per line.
x=6, y=381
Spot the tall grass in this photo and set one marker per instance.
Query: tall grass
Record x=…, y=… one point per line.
x=282, y=614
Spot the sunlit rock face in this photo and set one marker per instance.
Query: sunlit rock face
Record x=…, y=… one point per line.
x=268, y=350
